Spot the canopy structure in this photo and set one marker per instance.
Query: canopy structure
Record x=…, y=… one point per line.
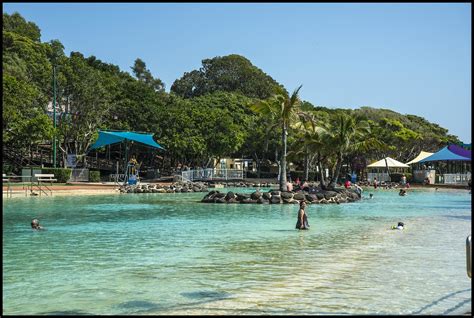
x=391, y=163
x=421, y=156
x=460, y=151
x=446, y=154
x=112, y=137
x=131, y=170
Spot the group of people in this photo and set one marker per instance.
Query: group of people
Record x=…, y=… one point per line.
x=300, y=185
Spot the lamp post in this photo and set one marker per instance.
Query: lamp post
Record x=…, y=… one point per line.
x=54, y=115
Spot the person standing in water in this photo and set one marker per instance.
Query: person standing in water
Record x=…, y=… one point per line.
x=302, y=222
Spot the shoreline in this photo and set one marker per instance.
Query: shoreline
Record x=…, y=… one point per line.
x=99, y=188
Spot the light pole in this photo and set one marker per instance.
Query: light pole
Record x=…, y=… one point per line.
x=54, y=115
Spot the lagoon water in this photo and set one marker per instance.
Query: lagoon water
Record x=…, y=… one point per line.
x=170, y=254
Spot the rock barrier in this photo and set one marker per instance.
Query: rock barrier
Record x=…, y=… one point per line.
x=314, y=196
x=177, y=187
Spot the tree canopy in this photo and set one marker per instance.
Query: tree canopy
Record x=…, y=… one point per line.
x=205, y=116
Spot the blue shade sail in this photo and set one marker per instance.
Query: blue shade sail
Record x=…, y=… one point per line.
x=445, y=155
x=112, y=137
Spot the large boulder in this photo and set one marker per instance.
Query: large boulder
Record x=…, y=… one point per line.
x=230, y=195
x=248, y=201
x=329, y=194
x=299, y=196
x=262, y=200
x=275, y=192
x=256, y=195
x=267, y=195
x=311, y=197
x=287, y=195
x=242, y=196
x=276, y=199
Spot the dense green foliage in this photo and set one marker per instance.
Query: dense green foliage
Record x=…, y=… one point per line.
x=232, y=73
x=206, y=115
x=94, y=176
x=62, y=175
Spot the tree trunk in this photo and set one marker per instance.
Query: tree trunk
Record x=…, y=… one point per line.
x=335, y=176
x=306, y=165
x=322, y=181
x=283, y=160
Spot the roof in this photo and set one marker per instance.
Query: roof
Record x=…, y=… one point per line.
x=458, y=150
x=392, y=163
x=112, y=137
x=422, y=155
x=445, y=155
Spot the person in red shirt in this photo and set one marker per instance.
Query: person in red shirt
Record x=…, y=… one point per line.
x=347, y=184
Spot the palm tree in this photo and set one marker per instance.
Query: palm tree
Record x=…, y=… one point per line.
x=350, y=134
x=283, y=109
x=309, y=139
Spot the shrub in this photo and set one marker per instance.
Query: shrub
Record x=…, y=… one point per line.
x=94, y=176
x=61, y=174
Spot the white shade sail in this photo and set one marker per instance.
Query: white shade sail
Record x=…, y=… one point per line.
x=421, y=156
x=392, y=163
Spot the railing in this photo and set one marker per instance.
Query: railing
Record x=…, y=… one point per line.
x=456, y=178
x=381, y=176
x=212, y=174
x=26, y=185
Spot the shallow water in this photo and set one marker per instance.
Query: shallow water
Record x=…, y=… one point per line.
x=171, y=254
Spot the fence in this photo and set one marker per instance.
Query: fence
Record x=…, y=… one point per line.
x=212, y=174
x=78, y=175
x=381, y=176
x=455, y=178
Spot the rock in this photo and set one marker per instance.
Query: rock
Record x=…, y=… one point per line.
x=299, y=196
x=275, y=192
x=220, y=195
x=242, y=196
x=329, y=194
x=230, y=195
x=261, y=200
x=290, y=200
x=311, y=197
x=220, y=200
x=319, y=195
x=275, y=199
x=256, y=195
x=248, y=201
x=267, y=195
x=287, y=195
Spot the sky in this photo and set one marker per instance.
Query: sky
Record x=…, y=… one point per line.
x=410, y=58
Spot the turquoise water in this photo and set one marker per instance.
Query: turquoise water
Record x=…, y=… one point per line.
x=171, y=254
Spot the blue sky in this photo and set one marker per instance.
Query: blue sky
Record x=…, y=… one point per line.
x=410, y=58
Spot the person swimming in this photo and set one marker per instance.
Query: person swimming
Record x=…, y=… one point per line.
x=35, y=225
x=400, y=226
x=402, y=192
x=371, y=196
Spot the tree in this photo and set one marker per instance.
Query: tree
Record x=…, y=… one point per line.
x=283, y=109
x=231, y=73
x=17, y=24
x=309, y=141
x=349, y=134
x=144, y=75
x=88, y=93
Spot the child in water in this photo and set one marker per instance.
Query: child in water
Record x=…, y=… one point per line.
x=400, y=226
